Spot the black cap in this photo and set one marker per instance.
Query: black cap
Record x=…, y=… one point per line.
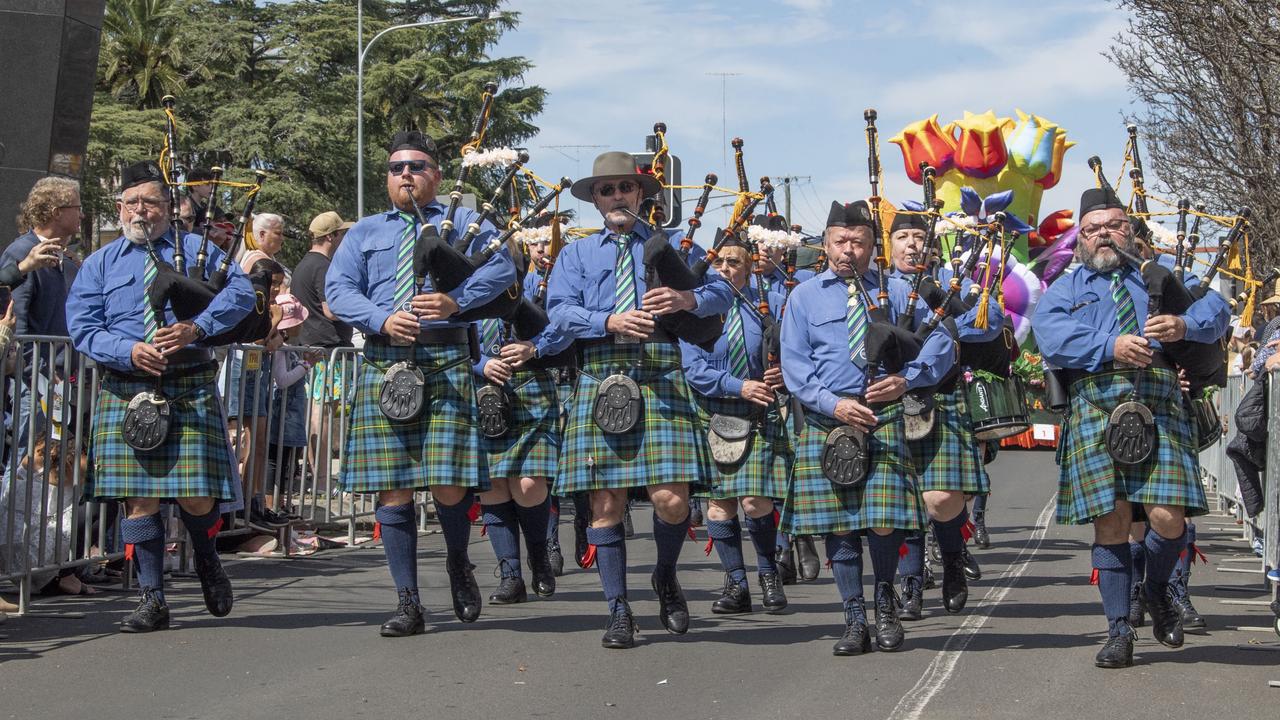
x=1098, y=199
x=771, y=222
x=908, y=220
x=849, y=215
x=140, y=173
x=735, y=241
x=412, y=140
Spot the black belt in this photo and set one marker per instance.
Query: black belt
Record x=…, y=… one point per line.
x=430, y=336
x=178, y=374
x=658, y=336
x=1158, y=362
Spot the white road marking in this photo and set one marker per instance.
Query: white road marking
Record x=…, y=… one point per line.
x=939, y=672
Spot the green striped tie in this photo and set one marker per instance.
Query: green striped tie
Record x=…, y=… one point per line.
x=149, y=323
x=856, y=319
x=491, y=336
x=404, y=263
x=624, y=274
x=1128, y=318
x=737, y=342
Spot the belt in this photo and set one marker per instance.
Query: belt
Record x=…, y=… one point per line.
x=1158, y=362
x=430, y=336
x=659, y=336
x=178, y=374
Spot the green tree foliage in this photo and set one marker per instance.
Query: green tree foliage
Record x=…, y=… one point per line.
x=273, y=86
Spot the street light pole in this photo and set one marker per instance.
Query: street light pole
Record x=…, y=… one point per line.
x=363, y=50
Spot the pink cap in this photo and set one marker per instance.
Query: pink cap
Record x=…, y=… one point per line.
x=294, y=313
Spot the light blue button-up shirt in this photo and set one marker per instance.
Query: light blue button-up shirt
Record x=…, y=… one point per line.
x=104, y=307
x=709, y=373
x=548, y=342
x=360, y=284
x=965, y=329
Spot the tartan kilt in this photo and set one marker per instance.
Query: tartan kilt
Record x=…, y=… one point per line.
x=531, y=445
x=440, y=447
x=949, y=458
x=195, y=459
x=1090, y=483
x=888, y=498
x=667, y=445
x=764, y=471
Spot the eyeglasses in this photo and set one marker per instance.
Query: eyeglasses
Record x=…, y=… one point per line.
x=728, y=262
x=417, y=167
x=1109, y=227
x=625, y=187
x=142, y=202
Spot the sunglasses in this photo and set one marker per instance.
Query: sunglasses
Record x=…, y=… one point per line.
x=625, y=187
x=728, y=262
x=417, y=167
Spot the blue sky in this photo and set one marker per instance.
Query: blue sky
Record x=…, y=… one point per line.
x=808, y=70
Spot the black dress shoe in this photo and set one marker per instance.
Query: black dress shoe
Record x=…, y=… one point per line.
x=912, y=600
x=734, y=599
x=544, y=575
x=215, y=585
x=510, y=591
x=555, y=558
x=621, y=633
x=150, y=615
x=981, y=537
x=786, y=562
x=889, y=633
x=407, y=620
x=1137, y=606
x=580, y=542
x=772, y=596
x=1166, y=618
x=972, y=570
x=1117, y=652
x=628, y=527
x=1191, y=618
x=463, y=589
x=955, y=588
x=673, y=611
x=856, y=639
x=808, y=556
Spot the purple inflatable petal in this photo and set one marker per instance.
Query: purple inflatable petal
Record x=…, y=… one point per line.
x=913, y=206
x=996, y=202
x=1055, y=258
x=970, y=201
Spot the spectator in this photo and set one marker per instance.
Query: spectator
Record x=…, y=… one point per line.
x=1270, y=309
x=288, y=423
x=268, y=233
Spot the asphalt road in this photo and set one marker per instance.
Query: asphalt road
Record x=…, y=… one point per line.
x=303, y=642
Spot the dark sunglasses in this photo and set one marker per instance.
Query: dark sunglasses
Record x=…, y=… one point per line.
x=417, y=167
x=625, y=187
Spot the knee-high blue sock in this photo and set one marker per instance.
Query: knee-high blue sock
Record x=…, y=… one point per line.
x=503, y=530
x=611, y=559
x=845, y=554
x=911, y=565
x=1138, y=556
x=764, y=536
x=980, y=504
x=884, y=554
x=202, y=529
x=399, y=528
x=146, y=535
x=950, y=533
x=534, y=522
x=553, y=518
x=727, y=535
x=670, y=539
x=1162, y=555
x=1115, y=577
x=1182, y=569
x=455, y=525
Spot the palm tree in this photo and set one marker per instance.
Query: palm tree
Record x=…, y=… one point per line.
x=141, y=60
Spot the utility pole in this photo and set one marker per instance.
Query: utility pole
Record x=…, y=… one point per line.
x=724, y=122
x=786, y=191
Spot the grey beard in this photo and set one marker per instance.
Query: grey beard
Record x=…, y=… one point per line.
x=1094, y=263
x=137, y=232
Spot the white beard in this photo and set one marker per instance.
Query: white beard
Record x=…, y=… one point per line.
x=138, y=232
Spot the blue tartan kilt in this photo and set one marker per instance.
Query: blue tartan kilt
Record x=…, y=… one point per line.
x=949, y=457
x=195, y=459
x=1090, y=482
x=531, y=445
x=442, y=446
x=765, y=469
x=668, y=444
x=888, y=498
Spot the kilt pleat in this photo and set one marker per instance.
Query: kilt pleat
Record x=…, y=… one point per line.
x=949, y=458
x=667, y=445
x=195, y=459
x=440, y=447
x=765, y=469
x=888, y=498
x=531, y=445
x=1090, y=482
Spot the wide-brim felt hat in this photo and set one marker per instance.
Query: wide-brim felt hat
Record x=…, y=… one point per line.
x=615, y=165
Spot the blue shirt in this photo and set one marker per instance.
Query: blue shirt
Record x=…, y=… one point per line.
x=708, y=373
x=40, y=303
x=104, y=308
x=580, y=293
x=548, y=342
x=1076, y=323
x=815, y=342
x=965, y=329
x=360, y=284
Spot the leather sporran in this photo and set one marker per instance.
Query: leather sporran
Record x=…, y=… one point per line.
x=495, y=411
x=1208, y=422
x=844, y=456
x=403, y=392
x=618, y=405
x=729, y=438
x=146, y=421
x=1130, y=433
x=918, y=415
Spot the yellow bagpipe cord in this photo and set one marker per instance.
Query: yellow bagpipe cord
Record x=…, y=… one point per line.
x=659, y=172
x=981, y=321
